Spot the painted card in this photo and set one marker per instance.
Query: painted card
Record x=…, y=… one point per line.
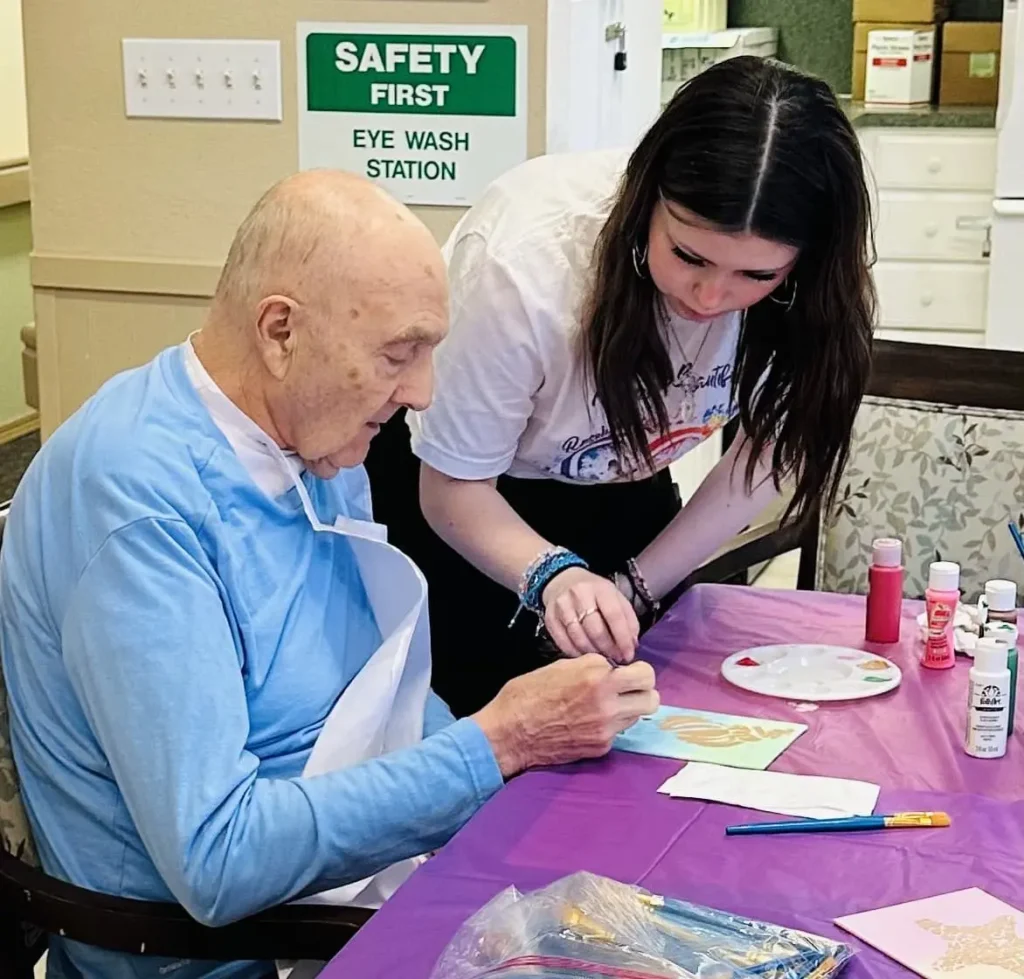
x=967, y=934
x=700, y=735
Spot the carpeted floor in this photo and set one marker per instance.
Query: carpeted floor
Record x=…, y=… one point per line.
x=14, y=459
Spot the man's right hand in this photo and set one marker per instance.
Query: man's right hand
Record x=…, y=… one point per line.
x=569, y=710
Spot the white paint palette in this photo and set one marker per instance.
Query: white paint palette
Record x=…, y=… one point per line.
x=812, y=673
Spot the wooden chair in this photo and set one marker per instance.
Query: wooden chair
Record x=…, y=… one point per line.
x=33, y=904
x=937, y=460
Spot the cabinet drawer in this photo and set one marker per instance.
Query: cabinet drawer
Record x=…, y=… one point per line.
x=935, y=160
x=961, y=339
x=937, y=297
x=924, y=226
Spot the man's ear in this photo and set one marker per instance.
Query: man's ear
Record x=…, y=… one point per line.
x=276, y=333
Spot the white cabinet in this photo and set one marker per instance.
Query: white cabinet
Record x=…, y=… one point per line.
x=932, y=193
x=914, y=225
x=932, y=295
x=935, y=159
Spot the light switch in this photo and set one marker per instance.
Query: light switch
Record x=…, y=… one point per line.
x=202, y=79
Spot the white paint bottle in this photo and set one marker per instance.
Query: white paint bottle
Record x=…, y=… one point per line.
x=988, y=701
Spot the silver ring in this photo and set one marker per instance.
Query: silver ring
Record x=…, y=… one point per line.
x=589, y=611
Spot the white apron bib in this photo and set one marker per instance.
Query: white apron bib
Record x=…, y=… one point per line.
x=382, y=709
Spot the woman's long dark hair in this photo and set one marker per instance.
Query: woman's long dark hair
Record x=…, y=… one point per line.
x=750, y=146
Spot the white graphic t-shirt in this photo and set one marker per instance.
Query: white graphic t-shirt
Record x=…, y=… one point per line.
x=510, y=393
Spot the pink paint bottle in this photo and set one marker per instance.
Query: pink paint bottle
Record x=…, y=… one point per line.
x=885, y=591
x=942, y=597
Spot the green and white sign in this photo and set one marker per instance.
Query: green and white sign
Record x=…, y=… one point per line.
x=433, y=113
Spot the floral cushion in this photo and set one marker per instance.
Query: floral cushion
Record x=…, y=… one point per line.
x=945, y=480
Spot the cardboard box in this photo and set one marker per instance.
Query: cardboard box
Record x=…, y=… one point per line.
x=970, y=63
x=860, y=50
x=900, y=67
x=901, y=11
x=680, y=16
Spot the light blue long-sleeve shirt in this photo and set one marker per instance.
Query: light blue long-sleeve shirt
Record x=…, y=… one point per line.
x=173, y=640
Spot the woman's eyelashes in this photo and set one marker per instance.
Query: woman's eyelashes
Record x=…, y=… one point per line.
x=700, y=263
x=688, y=258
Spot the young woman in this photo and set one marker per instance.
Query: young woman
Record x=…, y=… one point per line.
x=608, y=314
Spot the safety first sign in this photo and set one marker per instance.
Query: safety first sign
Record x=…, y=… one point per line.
x=433, y=113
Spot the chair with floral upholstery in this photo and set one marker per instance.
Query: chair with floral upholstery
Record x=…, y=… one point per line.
x=938, y=461
x=33, y=904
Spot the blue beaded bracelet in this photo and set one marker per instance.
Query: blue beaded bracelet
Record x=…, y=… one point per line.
x=537, y=576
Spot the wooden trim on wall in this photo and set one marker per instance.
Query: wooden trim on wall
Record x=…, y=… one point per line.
x=18, y=426
x=14, y=185
x=47, y=362
x=140, y=276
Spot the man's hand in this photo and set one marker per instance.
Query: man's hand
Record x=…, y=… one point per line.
x=569, y=710
x=585, y=613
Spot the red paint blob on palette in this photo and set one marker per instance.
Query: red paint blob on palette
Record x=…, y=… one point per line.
x=747, y=661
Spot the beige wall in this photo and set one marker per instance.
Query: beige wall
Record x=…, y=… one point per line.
x=15, y=227
x=13, y=128
x=15, y=309
x=132, y=218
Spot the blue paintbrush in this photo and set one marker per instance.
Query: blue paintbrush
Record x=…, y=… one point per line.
x=1017, y=539
x=903, y=820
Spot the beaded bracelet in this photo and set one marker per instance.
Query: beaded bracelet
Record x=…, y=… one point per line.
x=537, y=576
x=640, y=587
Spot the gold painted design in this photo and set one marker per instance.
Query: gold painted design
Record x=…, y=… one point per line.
x=582, y=925
x=713, y=734
x=994, y=944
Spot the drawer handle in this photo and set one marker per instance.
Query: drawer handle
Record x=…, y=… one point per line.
x=931, y=230
x=935, y=165
x=927, y=299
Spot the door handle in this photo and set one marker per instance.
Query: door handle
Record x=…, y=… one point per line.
x=978, y=224
x=617, y=32
x=973, y=224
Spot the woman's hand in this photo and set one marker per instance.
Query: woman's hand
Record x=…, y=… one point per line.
x=585, y=613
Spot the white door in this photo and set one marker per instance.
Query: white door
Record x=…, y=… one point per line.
x=1004, y=329
x=1010, y=161
x=595, y=100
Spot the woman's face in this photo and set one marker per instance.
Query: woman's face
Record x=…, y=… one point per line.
x=703, y=273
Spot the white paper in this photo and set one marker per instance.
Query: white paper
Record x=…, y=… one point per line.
x=809, y=796
x=967, y=623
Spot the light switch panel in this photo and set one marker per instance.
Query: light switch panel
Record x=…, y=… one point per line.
x=202, y=79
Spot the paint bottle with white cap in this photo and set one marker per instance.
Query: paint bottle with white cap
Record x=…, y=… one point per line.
x=1007, y=634
x=988, y=701
x=885, y=591
x=942, y=596
x=999, y=603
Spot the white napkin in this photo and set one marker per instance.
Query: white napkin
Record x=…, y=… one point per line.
x=810, y=796
x=967, y=623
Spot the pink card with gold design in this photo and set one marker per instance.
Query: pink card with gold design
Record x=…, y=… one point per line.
x=969, y=934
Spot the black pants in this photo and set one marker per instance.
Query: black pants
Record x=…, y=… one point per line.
x=474, y=651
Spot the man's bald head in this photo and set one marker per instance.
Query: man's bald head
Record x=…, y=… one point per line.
x=333, y=296
x=320, y=228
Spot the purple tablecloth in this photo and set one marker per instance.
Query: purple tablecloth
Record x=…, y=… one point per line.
x=607, y=817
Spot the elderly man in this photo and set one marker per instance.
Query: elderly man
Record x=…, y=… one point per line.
x=217, y=670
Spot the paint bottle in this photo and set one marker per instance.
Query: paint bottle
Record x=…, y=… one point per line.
x=885, y=591
x=988, y=701
x=942, y=596
x=1007, y=634
x=999, y=603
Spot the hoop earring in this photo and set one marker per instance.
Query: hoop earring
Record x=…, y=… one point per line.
x=639, y=260
x=783, y=302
